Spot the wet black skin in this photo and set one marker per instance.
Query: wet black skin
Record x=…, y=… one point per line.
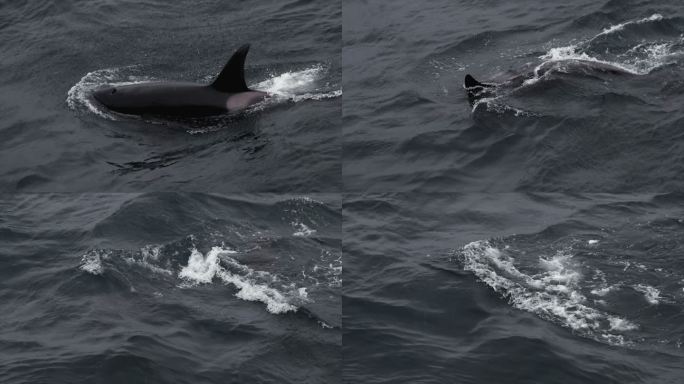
x=174, y=98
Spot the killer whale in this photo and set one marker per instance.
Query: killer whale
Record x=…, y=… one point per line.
x=477, y=90
x=227, y=93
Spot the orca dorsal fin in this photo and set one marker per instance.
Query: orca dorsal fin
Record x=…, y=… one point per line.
x=232, y=77
x=470, y=82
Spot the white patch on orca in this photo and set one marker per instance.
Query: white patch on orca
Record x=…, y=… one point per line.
x=243, y=100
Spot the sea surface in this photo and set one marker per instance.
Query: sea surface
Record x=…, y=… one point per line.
x=170, y=288
x=408, y=125
x=397, y=233
x=531, y=236
x=513, y=288
x=56, y=138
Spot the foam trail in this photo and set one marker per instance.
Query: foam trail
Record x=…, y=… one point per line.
x=302, y=230
x=251, y=285
x=571, y=53
x=553, y=294
x=621, y=26
x=91, y=262
x=200, y=268
x=78, y=95
x=654, y=54
x=651, y=294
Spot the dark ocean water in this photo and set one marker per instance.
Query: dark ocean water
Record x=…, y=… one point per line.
x=534, y=235
x=170, y=288
x=408, y=125
x=55, y=139
x=513, y=288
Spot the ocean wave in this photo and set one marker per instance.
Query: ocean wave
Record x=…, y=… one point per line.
x=637, y=58
x=251, y=285
x=553, y=292
x=183, y=265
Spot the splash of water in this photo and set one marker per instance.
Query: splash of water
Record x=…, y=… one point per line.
x=554, y=293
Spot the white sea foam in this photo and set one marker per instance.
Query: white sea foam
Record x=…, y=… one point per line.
x=298, y=85
x=302, y=230
x=602, y=291
x=148, y=257
x=79, y=95
x=651, y=294
x=490, y=104
x=621, y=26
x=278, y=292
x=553, y=293
x=639, y=60
x=91, y=262
x=326, y=271
x=251, y=285
x=201, y=269
x=574, y=53
x=618, y=324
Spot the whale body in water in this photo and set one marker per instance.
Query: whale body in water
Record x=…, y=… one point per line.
x=477, y=90
x=228, y=93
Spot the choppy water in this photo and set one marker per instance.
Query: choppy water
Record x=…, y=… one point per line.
x=516, y=288
x=533, y=235
x=56, y=139
x=409, y=127
x=168, y=287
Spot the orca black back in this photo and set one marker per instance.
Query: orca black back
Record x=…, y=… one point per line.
x=232, y=77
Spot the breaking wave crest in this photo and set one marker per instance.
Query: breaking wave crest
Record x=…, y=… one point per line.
x=188, y=267
x=641, y=58
x=633, y=56
x=552, y=290
x=251, y=285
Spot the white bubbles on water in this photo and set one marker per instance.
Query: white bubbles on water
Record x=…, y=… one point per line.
x=552, y=291
x=302, y=230
x=202, y=269
x=279, y=292
x=79, y=96
x=641, y=59
x=651, y=294
x=91, y=262
x=619, y=27
x=298, y=85
x=251, y=285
